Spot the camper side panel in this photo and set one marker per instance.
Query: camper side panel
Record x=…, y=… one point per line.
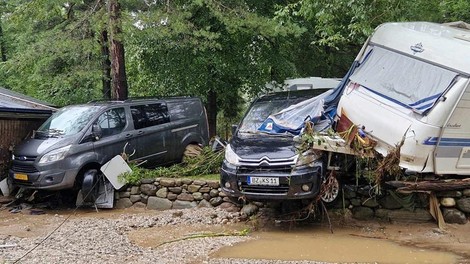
x=453, y=147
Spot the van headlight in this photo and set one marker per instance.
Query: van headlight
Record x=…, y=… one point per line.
x=54, y=155
x=230, y=156
x=307, y=158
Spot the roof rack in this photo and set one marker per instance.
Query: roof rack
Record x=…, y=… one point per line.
x=138, y=98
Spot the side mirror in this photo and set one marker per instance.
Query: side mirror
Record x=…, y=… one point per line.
x=234, y=129
x=96, y=132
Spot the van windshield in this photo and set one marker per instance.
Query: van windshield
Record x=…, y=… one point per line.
x=67, y=121
x=271, y=104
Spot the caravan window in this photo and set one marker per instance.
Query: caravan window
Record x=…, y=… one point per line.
x=405, y=80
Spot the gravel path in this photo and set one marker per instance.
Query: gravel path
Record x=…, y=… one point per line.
x=82, y=239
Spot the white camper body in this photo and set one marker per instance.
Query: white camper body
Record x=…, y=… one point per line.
x=412, y=82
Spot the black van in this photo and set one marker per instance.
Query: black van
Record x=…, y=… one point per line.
x=264, y=166
x=81, y=138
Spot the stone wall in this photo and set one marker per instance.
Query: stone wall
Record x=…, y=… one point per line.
x=362, y=201
x=168, y=193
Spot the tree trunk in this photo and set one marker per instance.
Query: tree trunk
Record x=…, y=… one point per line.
x=105, y=65
x=3, y=50
x=212, y=112
x=118, y=68
x=438, y=185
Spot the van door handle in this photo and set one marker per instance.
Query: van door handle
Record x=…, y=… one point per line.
x=129, y=135
x=140, y=133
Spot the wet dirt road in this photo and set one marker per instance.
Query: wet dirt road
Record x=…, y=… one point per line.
x=351, y=241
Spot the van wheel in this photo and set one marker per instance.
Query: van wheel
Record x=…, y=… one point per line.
x=330, y=189
x=90, y=186
x=191, y=151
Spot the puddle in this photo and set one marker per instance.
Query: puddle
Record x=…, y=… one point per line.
x=321, y=245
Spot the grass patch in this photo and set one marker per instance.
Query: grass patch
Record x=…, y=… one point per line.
x=207, y=177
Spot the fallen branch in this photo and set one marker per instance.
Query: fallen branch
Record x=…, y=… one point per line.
x=244, y=232
x=366, y=236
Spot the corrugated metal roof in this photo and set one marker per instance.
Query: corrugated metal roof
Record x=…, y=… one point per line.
x=10, y=100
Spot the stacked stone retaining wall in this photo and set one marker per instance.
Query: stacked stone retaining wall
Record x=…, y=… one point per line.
x=362, y=202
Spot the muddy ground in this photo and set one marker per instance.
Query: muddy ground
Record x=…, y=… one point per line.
x=147, y=236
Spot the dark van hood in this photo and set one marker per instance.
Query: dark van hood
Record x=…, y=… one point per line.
x=259, y=145
x=37, y=147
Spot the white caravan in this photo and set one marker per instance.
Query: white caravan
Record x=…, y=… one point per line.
x=411, y=81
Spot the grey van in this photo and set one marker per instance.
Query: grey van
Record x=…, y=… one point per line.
x=79, y=139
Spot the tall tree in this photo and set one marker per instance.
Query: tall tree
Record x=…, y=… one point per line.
x=3, y=51
x=118, y=66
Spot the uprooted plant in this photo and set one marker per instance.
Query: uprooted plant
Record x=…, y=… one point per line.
x=370, y=165
x=207, y=162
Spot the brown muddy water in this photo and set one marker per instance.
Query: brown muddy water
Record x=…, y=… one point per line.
x=321, y=245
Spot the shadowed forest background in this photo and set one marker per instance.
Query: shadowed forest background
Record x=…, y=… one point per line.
x=68, y=52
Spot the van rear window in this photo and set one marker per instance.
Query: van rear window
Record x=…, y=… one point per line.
x=149, y=115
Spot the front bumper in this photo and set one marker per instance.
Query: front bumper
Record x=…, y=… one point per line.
x=234, y=182
x=51, y=178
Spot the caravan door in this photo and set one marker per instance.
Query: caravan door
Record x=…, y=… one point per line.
x=452, y=154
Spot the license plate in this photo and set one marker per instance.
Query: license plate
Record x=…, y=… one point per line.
x=270, y=181
x=19, y=176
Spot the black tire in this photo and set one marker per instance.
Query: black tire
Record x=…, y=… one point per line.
x=330, y=189
x=90, y=186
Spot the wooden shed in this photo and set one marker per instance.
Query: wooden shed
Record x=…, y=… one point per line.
x=19, y=116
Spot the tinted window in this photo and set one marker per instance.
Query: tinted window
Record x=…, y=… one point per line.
x=189, y=108
x=112, y=121
x=149, y=115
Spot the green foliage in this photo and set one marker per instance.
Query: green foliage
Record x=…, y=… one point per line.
x=336, y=29
x=455, y=10
x=52, y=51
x=204, y=165
x=191, y=47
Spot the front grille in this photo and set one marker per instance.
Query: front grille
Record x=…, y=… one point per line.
x=25, y=158
x=257, y=170
x=25, y=168
x=265, y=161
x=283, y=188
x=24, y=183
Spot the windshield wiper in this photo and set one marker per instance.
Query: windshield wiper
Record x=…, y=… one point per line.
x=52, y=132
x=267, y=133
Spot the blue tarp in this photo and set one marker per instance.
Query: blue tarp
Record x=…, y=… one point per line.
x=320, y=110
x=292, y=119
